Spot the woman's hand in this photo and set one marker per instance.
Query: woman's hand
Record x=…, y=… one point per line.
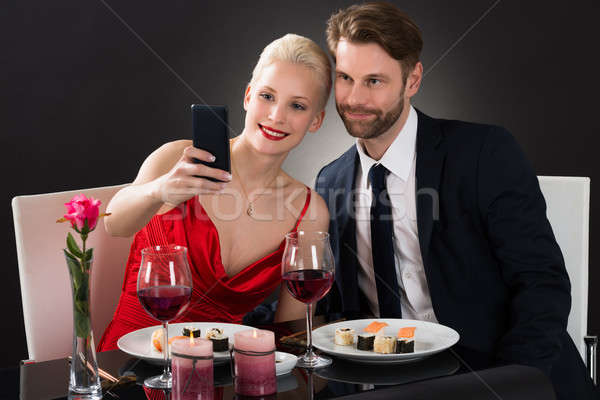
x=165, y=180
x=187, y=179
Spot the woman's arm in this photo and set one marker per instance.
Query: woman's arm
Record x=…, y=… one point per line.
x=166, y=178
x=315, y=219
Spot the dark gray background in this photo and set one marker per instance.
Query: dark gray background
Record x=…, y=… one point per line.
x=84, y=101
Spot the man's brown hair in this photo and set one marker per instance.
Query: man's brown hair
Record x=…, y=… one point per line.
x=378, y=22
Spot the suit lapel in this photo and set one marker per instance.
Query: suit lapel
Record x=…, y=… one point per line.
x=346, y=230
x=431, y=153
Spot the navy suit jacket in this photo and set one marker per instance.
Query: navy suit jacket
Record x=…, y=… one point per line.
x=495, y=272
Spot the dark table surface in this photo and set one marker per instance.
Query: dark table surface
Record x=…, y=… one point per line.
x=454, y=373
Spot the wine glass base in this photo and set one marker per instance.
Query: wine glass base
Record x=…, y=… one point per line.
x=157, y=382
x=313, y=362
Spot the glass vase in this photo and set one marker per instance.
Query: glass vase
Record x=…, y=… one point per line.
x=84, y=381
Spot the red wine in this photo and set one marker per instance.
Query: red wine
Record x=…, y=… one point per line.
x=308, y=285
x=164, y=302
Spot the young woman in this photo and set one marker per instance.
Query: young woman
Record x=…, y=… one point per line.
x=234, y=231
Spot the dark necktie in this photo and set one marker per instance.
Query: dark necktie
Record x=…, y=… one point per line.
x=382, y=246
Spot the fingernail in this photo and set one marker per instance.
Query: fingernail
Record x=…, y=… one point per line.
x=227, y=176
x=212, y=158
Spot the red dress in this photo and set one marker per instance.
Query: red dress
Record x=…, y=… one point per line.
x=215, y=296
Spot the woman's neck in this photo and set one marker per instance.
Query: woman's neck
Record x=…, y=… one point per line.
x=257, y=171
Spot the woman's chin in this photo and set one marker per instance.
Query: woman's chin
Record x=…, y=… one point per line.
x=273, y=147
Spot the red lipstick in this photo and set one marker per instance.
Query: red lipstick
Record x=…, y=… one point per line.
x=267, y=132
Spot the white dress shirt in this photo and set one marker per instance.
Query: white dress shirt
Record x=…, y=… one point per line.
x=400, y=160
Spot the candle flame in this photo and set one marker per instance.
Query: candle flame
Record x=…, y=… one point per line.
x=191, y=338
x=254, y=333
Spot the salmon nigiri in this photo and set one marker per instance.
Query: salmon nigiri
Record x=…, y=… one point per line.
x=407, y=332
x=406, y=340
x=375, y=327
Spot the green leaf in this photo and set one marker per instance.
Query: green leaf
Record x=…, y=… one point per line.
x=81, y=293
x=73, y=247
x=72, y=261
x=82, y=307
x=69, y=255
x=75, y=271
x=82, y=323
x=89, y=254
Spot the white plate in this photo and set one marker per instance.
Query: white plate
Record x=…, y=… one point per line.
x=284, y=363
x=137, y=343
x=430, y=338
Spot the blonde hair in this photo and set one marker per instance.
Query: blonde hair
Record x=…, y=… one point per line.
x=300, y=50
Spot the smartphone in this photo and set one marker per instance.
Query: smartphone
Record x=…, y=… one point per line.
x=211, y=133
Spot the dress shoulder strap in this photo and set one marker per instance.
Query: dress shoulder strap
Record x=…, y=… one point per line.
x=306, y=204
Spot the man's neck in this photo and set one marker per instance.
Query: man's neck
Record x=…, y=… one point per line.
x=376, y=147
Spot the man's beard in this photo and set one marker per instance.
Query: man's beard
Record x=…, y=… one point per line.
x=372, y=128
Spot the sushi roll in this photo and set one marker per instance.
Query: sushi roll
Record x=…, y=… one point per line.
x=384, y=344
x=375, y=326
x=220, y=341
x=344, y=336
x=406, y=340
x=405, y=346
x=365, y=341
x=157, y=340
x=191, y=331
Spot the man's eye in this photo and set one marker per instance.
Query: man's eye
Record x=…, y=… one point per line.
x=374, y=81
x=343, y=76
x=266, y=96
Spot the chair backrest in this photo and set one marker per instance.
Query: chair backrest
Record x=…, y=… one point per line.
x=568, y=210
x=45, y=287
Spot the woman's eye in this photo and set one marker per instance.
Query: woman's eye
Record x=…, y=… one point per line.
x=298, y=106
x=266, y=96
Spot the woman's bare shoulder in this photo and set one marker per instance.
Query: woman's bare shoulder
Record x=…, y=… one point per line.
x=161, y=160
x=317, y=215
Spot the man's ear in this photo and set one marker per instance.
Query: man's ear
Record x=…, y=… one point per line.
x=317, y=121
x=247, y=98
x=413, y=80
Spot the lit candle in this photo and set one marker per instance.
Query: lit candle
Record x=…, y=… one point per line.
x=255, y=374
x=192, y=365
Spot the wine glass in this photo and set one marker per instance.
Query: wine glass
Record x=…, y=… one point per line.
x=308, y=270
x=164, y=287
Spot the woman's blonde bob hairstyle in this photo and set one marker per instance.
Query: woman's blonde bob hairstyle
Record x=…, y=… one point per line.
x=300, y=50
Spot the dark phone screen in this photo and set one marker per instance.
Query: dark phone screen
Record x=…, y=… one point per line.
x=211, y=133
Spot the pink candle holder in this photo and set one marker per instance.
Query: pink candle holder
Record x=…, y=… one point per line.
x=253, y=363
x=192, y=365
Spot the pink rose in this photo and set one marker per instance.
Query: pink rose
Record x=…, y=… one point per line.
x=81, y=208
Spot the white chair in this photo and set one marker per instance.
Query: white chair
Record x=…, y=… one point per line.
x=568, y=210
x=45, y=287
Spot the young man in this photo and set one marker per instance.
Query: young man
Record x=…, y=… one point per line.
x=439, y=220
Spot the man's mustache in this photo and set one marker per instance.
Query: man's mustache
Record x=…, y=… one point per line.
x=344, y=108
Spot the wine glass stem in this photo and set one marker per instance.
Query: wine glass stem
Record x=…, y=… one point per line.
x=166, y=371
x=309, y=349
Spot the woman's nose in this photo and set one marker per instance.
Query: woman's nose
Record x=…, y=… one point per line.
x=277, y=113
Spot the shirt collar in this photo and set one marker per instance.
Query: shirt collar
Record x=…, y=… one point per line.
x=399, y=156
